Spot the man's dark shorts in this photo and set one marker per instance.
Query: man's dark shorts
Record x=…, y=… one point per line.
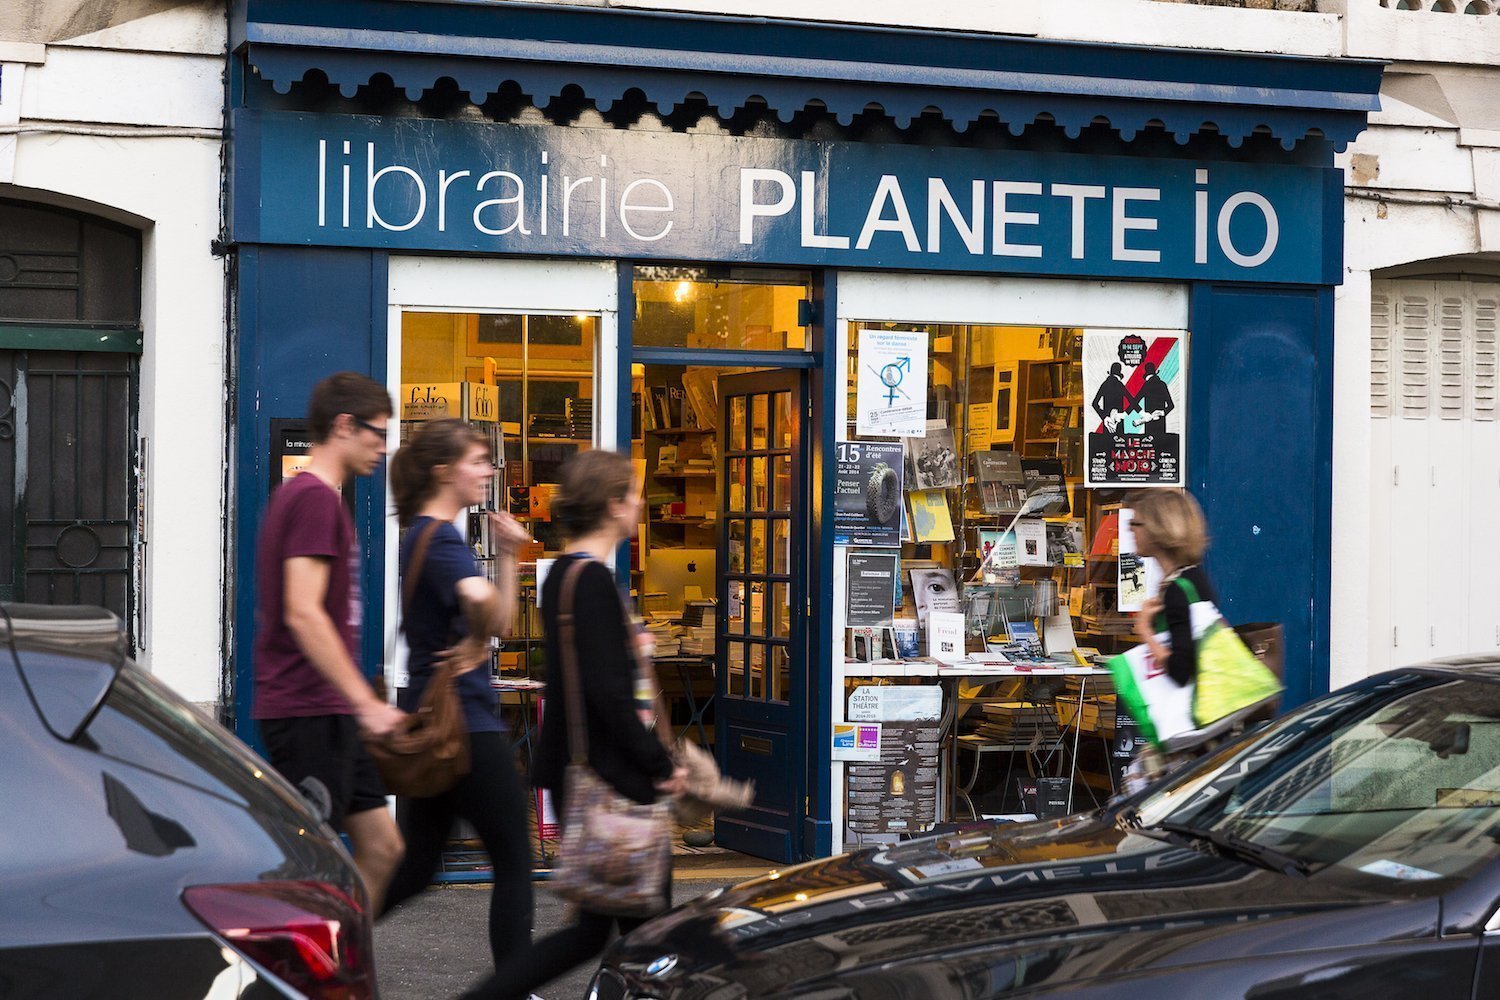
x=328, y=749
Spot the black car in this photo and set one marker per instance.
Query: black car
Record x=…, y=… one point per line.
x=1349, y=849
x=144, y=851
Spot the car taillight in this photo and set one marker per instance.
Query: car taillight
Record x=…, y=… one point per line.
x=311, y=935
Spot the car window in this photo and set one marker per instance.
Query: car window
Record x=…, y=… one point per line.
x=144, y=724
x=1393, y=781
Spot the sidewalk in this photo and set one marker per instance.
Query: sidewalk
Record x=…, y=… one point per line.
x=436, y=945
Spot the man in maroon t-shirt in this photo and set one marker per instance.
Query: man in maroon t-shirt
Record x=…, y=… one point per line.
x=310, y=697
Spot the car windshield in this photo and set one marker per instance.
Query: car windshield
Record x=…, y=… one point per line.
x=1396, y=778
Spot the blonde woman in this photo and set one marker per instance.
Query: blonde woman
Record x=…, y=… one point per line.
x=1169, y=527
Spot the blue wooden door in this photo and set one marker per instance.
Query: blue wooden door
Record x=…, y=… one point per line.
x=760, y=706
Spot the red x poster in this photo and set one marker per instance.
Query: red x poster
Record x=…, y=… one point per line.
x=1135, y=407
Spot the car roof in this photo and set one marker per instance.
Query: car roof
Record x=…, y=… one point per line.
x=69, y=629
x=1481, y=665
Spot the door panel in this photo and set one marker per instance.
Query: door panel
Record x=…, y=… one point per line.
x=67, y=481
x=762, y=673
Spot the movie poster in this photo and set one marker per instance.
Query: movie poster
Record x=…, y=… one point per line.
x=1135, y=407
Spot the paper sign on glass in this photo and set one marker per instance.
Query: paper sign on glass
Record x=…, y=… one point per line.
x=891, y=388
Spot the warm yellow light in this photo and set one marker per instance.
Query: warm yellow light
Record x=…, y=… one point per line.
x=801, y=897
x=684, y=289
x=582, y=318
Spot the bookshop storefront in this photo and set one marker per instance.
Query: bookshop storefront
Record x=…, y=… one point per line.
x=888, y=356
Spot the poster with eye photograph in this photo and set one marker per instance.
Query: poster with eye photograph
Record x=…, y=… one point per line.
x=933, y=590
x=868, y=494
x=1135, y=407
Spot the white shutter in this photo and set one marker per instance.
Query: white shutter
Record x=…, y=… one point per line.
x=1452, y=307
x=1414, y=325
x=1380, y=350
x=1486, y=304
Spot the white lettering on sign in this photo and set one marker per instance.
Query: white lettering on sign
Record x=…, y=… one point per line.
x=750, y=209
x=511, y=207
x=779, y=210
x=1273, y=229
x=1123, y=223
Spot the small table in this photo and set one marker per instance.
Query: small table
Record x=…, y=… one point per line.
x=685, y=666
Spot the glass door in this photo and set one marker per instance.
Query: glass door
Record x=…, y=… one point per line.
x=762, y=671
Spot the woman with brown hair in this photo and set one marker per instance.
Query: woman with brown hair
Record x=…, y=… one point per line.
x=1168, y=526
x=452, y=612
x=597, y=506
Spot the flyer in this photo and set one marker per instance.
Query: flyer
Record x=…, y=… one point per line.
x=1138, y=577
x=1134, y=384
x=871, y=587
x=891, y=387
x=867, y=494
x=899, y=794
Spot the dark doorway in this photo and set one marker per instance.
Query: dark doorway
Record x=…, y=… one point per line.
x=70, y=341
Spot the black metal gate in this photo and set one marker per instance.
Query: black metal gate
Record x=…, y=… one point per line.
x=68, y=478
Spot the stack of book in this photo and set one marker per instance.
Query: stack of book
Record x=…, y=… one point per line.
x=580, y=414
x=1018, y=721
x=663, y=632
x=695, y=634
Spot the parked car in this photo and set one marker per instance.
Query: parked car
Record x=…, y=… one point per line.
x=1349, y=849
x=144, y=851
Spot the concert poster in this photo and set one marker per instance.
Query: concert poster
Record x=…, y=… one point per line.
x=1135, y=407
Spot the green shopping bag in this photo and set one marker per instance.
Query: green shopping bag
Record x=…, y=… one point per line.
x=1230, y=679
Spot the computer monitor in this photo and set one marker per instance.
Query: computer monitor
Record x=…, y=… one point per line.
x=672, y=571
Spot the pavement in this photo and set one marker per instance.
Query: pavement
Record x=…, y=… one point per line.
x=435, y=946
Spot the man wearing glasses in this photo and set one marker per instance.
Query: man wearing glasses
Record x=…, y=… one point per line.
x=311, y=699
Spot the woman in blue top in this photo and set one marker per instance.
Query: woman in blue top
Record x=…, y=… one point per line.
x=453, y=612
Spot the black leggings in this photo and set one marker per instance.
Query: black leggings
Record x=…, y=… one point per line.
x=490, y=798
x=558, y=952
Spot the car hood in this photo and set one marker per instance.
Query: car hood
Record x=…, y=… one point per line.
x=1023, y=904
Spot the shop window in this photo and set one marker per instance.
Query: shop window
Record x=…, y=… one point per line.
x=528, y=380
x=724, y=308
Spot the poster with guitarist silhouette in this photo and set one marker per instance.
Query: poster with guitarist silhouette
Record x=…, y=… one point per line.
x=1135, y=385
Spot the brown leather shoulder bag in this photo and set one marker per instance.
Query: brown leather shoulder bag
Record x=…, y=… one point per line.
x=429, y=752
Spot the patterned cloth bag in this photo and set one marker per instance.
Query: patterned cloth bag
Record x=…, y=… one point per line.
x=615, y=853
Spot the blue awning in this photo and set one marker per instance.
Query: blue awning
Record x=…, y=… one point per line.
x=794, y=65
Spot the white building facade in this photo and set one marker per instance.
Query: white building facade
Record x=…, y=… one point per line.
x=112, y=321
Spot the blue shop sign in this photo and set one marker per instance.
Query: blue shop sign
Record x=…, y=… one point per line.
x=417, y=184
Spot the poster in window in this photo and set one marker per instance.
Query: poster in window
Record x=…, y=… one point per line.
x=1135, y=407
x=867, y=493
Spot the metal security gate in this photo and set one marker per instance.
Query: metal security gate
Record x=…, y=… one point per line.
x=67, y=478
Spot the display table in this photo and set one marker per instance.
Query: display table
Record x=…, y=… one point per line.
x=690, y=669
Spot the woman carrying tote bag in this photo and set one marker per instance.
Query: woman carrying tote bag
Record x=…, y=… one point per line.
x=1211, y=678
x=450, y=614
x=598, y=505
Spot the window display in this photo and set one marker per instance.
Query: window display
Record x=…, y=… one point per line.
x=528, y=380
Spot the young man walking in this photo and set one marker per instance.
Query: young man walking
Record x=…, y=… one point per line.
x=311, y=699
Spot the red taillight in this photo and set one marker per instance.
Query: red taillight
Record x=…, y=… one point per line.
x=311, y=935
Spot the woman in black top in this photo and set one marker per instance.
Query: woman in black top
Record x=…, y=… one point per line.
x=598, y=506
x=1168, y=526
x=443, y=469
